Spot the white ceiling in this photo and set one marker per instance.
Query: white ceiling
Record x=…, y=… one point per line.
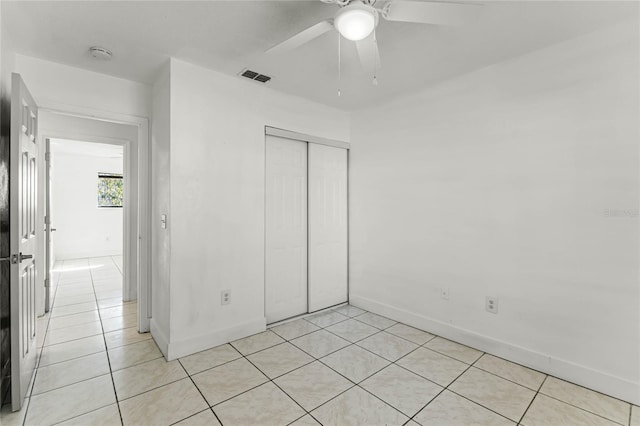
x=230, y=35
x=86, y=149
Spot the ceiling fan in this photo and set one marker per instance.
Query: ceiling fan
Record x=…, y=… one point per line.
x=356, y=20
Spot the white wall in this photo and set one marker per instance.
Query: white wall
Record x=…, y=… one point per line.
x=83, y=229
x=60, y=86
x=497, y=183
x=161, y=204
x=216, y=222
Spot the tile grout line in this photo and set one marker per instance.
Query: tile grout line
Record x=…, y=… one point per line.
x=137, y=363
x=497, y=375
x=477, y=403
x=74, y=383
x=444, y=388
x=39, y=366
x=390, y=363
x=350, y=343
x=533, y=399
x=371, y=375
x=276, y=385
x=254, y=387
x=201, y=394
x=113, y=383
x=195, y=414
x=117, y=266
x=354, y=343
x=39, y=355
x=71, y=359
x=149, y=390
x=273, y=380
x=79, y=338
x=400, y=366
x=455, y=359
x=340, y=374
x=152, y=388
x=432, y=350
x=580, y=408
x=108, y=373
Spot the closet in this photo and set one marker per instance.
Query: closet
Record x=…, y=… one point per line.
x=306, y=224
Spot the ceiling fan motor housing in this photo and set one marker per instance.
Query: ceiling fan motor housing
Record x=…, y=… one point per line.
x=356, y=20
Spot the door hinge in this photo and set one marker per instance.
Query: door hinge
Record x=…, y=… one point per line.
x=47, y=156
x=46, y=283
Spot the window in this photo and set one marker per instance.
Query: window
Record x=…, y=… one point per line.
x=110, y=190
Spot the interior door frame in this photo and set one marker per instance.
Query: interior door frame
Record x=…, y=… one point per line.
x=47, y=224
x=142, y=272
x=304, y=138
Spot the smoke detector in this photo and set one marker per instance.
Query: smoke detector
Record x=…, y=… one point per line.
x=100, y=53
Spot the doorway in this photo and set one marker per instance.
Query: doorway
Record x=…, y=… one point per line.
x=306, y=224
x=85, y=210
x=111, y=133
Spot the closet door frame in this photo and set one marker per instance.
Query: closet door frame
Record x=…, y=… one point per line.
x=310, y=139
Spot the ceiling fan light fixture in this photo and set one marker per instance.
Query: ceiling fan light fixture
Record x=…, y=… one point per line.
x=356, y=21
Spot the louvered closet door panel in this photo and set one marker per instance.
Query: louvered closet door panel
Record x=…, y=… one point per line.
x=327, y=226
x=286, y=229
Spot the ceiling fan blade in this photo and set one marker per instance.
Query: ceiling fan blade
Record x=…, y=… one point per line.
x=369, y=53
x=302, y=37
x=437, y=13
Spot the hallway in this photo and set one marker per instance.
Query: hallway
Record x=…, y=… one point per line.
x=88, y=334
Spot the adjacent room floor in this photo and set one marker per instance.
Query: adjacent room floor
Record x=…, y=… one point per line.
x=341, y=367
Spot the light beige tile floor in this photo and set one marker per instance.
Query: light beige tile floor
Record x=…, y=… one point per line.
x=344, y=366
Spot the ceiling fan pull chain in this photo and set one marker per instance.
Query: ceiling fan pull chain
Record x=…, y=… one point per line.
x=375, y=60
x=339, y=66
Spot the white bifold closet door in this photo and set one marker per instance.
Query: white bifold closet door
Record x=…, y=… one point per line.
x=328, y=257
x=285, y=229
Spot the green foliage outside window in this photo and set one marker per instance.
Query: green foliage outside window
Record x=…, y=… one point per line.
x=110, y=190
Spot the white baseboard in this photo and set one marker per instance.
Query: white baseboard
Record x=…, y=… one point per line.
x=160, y=338
x=579, y=374
x=192, y=345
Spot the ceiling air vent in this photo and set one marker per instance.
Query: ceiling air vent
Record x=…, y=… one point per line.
x=255, y=76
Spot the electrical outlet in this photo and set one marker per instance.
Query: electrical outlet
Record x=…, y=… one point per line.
x=225, y=297
x=444, y=293
x=491, y=304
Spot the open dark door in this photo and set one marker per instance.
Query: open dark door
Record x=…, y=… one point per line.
x=22, y=241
